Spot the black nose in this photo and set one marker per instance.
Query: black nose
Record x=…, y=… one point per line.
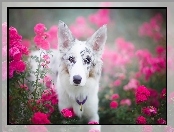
x=77, y=79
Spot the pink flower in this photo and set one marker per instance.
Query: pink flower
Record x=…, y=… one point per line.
x=39, y=101
x=117, y=82
x=16, y=50
x=40, y=118
x=100, y=18
x=48, y=100
x=46, y=95
x=113, y=104
x=163, y=93
x=142, y=94
x=41, y=37
x=161, y=121
x=20, y=66
x=160, y=50
x=116, y=60
x=143, y=54
x=114, y=96
x=25, y=87
x=149, y=65
x=54, y=100
x=94, y=130
x=15, y=53
x=11, y=71
x=46, y=59
x=52, y=39
x=121, y=76
x=147, y=128
x=68, y=113
x=147, y=71
x=155, y=103
x=150, y=110
x=80, y=28
x=16, y=47
x=14, y=36
x=39, y=28
x=125, y=102
x=24, y=50
x=45, y=45
x=42, y=42
x=26, y=43
x=154, y=98
x=50, y=109
x=126, y=48
x=93, y=122
x=49, y=95
x=36, y=128
x=152, y=28
x=133, y=84
x=48, y=82
x=141, y=120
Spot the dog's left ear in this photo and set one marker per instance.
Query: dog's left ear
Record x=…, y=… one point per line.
x=98, y=40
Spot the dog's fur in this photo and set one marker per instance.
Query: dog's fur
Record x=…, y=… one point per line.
x=78, y=58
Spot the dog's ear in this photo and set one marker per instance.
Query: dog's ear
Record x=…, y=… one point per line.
x=98, y=40
x=64, y=36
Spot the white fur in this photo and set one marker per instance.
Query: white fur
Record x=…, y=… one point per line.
x=67, y=90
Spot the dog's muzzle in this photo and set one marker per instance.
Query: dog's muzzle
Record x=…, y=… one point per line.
x=77, y=79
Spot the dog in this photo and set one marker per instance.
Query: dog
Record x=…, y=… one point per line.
x=77, y=69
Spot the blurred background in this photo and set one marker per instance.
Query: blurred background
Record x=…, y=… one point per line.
x=123, y=25
x=123, y=22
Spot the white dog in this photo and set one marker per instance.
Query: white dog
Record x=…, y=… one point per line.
x=77, y=67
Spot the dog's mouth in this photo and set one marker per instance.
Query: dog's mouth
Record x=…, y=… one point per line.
x=77, y=85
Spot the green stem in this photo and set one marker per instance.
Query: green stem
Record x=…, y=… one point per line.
x=37, y=77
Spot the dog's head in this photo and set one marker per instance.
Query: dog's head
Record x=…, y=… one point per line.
x=80, y=58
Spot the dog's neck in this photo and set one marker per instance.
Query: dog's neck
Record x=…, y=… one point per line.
x=81, y=103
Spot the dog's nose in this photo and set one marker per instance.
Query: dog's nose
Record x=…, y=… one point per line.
x=77, y=79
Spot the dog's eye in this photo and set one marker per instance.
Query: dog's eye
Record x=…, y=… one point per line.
x=87, y=60
x=71, y=59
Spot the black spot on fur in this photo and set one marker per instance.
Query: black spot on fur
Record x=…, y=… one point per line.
x=82, y=52
x=93, y=64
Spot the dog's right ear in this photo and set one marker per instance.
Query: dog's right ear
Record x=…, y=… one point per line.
x=98, y=40
x=64, y=36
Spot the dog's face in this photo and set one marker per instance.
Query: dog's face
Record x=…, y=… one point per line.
x=80, y=57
